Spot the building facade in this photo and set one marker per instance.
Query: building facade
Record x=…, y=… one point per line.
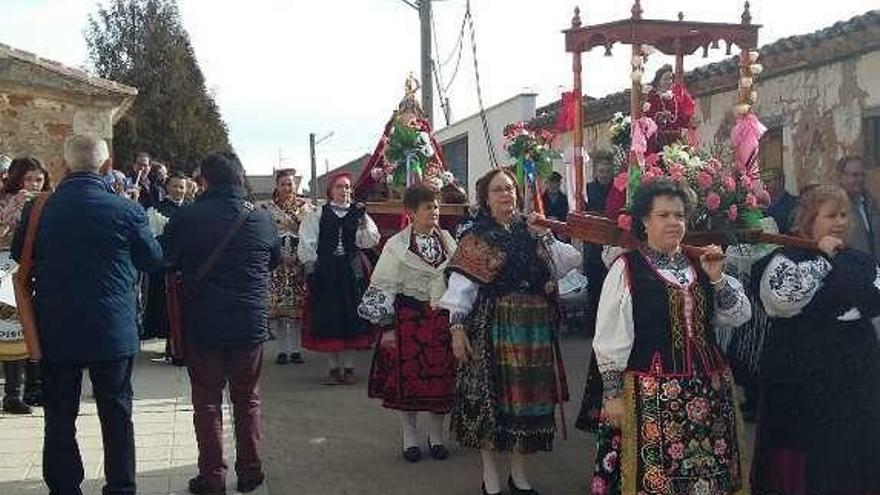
x=43, y=102
x=819, y=96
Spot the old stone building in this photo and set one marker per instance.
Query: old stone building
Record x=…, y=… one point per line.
x=819, y=95
x=42, y=102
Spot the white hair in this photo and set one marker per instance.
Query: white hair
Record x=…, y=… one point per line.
x=85, y=153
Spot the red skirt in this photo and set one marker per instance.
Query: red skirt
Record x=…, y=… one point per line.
x=418, y=372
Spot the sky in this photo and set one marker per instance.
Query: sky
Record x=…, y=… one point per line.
x=281, y=69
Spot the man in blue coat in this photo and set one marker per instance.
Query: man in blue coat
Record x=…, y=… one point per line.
x=89, y=246
x=226, y=315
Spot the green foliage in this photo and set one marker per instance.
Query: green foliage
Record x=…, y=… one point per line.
x=142, y=43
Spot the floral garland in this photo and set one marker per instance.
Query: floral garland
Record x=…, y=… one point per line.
x=410, y=157
x=531, y=151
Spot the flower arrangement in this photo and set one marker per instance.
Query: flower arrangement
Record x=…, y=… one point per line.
x=410, y=157
x=726, y=194
x=531, y=151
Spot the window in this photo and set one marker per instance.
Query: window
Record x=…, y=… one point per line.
x=871, y=136
x=456, y=154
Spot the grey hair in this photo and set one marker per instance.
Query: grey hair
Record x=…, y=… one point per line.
x=85, y=153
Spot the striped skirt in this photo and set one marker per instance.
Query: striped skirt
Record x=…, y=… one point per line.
x=507, y=395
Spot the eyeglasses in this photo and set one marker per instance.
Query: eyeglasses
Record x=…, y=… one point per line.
x=503, y=190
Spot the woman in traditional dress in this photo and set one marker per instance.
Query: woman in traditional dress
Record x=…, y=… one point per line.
x=502, y=301
x=27, y=177
x=669, y=418
x=413, y=367
x=330, y=241
x=819, y=410
x=287, y=286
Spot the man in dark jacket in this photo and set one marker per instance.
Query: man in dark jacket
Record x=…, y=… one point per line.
x=89, y=245
x=226, y=316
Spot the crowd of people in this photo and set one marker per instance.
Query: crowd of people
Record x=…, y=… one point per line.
x=464, y=328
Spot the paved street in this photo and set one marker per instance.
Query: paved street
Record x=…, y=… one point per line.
x=318, y=440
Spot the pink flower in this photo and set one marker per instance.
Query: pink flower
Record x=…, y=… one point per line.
x=713, y=201
x=652, y=159
x=751, y=201
x=764, y=198
x=713, y=165
x=697, y=409
x=625, y=222
x=747, y=182
x=720, y=447
x=621, y=180
x=704, y=180
x=598, y=486
x=729, y=183
x=732, y=213
x=676, y=450
x=676, y=172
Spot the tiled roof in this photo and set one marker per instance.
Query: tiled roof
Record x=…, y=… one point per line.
x=861, y=34
x=75, y=74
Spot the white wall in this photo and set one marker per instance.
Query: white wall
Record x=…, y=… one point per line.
x=519, y=107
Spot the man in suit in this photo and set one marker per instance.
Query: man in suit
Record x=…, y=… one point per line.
x=864, y=224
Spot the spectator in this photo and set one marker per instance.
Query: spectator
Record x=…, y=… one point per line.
x=89, y=245
x=864, y=229
x=227, y=315
x=26, y=178
x=555, y=201
x=5, y=162
x=140, y=180
x=157, y=176
x=783, y=203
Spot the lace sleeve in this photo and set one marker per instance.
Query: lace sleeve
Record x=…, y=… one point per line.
x=732, y=306
x=377, y=307
x=787, y=287
x=615, y=328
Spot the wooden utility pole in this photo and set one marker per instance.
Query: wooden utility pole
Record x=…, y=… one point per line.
x=427, y=81
x=314, y=187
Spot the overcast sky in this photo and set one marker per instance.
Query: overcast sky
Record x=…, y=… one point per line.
x=283, y=68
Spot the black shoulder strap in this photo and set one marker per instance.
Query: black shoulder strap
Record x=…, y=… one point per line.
x=215, y=254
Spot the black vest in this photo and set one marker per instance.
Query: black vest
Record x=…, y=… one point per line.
x=332, y=225
x=662, y=344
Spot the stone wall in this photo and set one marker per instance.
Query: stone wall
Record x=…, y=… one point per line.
x=820, y=111
x=43, y=102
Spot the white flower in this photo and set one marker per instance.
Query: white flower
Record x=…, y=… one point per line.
x=447, y=177
x=377, y=174
x=427, y=150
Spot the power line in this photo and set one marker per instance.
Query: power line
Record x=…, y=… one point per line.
x=436, y=71
x=487, y=133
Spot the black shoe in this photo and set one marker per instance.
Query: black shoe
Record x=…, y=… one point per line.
x=250, y=483
x=487, y=493
x=281, y=359
x=439, y=452
x=412, y=454
x=515, y=490
x=14, y=405
x=297, y=358
x=33, y=399
x=199, y=486
x=334, y=378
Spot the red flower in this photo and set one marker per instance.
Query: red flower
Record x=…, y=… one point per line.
x=697, y=409
x=676, y=172
x=624, y=221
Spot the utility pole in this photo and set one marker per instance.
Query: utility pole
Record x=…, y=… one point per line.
x=427, y=81
x=314, y=187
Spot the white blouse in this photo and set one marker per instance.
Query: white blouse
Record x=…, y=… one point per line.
x=615, y=327
x=367, y=234
x=461, y=292
x=401, y=271
x=788, y=287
